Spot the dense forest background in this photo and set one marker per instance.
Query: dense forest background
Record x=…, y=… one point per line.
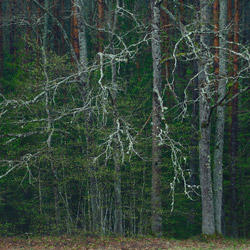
x=126, y=117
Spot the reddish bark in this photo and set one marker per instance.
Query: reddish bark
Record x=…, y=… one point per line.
x=63, y=25
x=74, y=31
x=1, y=45
x=29, y=20
x=13, y=30
x=233, y=146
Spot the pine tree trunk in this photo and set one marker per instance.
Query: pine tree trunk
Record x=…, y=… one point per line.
x=28, y=32
x=74, y=31
x=45, y=26
x=63, y=25
x=208, y=226
x=220, y=123
x=156, y=121
x=55, y=28
x=1, y=45
x=234, y=124
x=13, y=31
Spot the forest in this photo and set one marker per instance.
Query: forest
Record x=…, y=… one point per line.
x=125, y=117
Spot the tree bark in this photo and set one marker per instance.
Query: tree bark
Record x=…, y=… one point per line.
x=80, y=15
x=63, y=25
x=45, y=26
x=216, y=40
x=74, y=31
x=56, y=29
x=100, y=25
x=208, y=227
x=165, y=44
x=234, y=123
x=1, y=45
x=156, y=120
x=13, y=30
x=220, y=123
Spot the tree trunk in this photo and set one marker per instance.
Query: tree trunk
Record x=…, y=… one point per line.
x=63, y=25
x=220, y=123
x=74, y=31
x=165, y=45
x=55, y=28
x=208, y=227
x=216, y=41
x=234, y=124
x=28, y=32
x=1, y=45
x=80, y=14
x=100, y=25
x=13, y=30
x=156, y=120
x=45, y=26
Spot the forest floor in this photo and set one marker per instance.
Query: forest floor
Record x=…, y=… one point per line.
x=82, y=243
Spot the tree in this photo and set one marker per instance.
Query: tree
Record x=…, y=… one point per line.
x=74, y=31
x=156, y=120
x=1, y=44
x=208, y=226
x=234, y=119
x=100, y=24
x=220, y=122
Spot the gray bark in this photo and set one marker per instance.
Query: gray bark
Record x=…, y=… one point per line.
x=118, y=223
x=45, y=27
x=81, y=14
x=208, y=226
x=220, y=124
x=94, y=202
x=156, y=120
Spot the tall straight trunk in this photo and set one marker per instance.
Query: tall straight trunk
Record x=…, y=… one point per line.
x=74, y=31
x=220, y=123
x=118, y=223
x=156, y=120
x=55, y=27
x=13, y=30
x=45, y=26
x=1, y=45
x=216, y=40
x=234, y=123
x=63, y=25
x=165, y=45
x=28, y=32
x=100, y=24
x=208, y=226
x=80, y=15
